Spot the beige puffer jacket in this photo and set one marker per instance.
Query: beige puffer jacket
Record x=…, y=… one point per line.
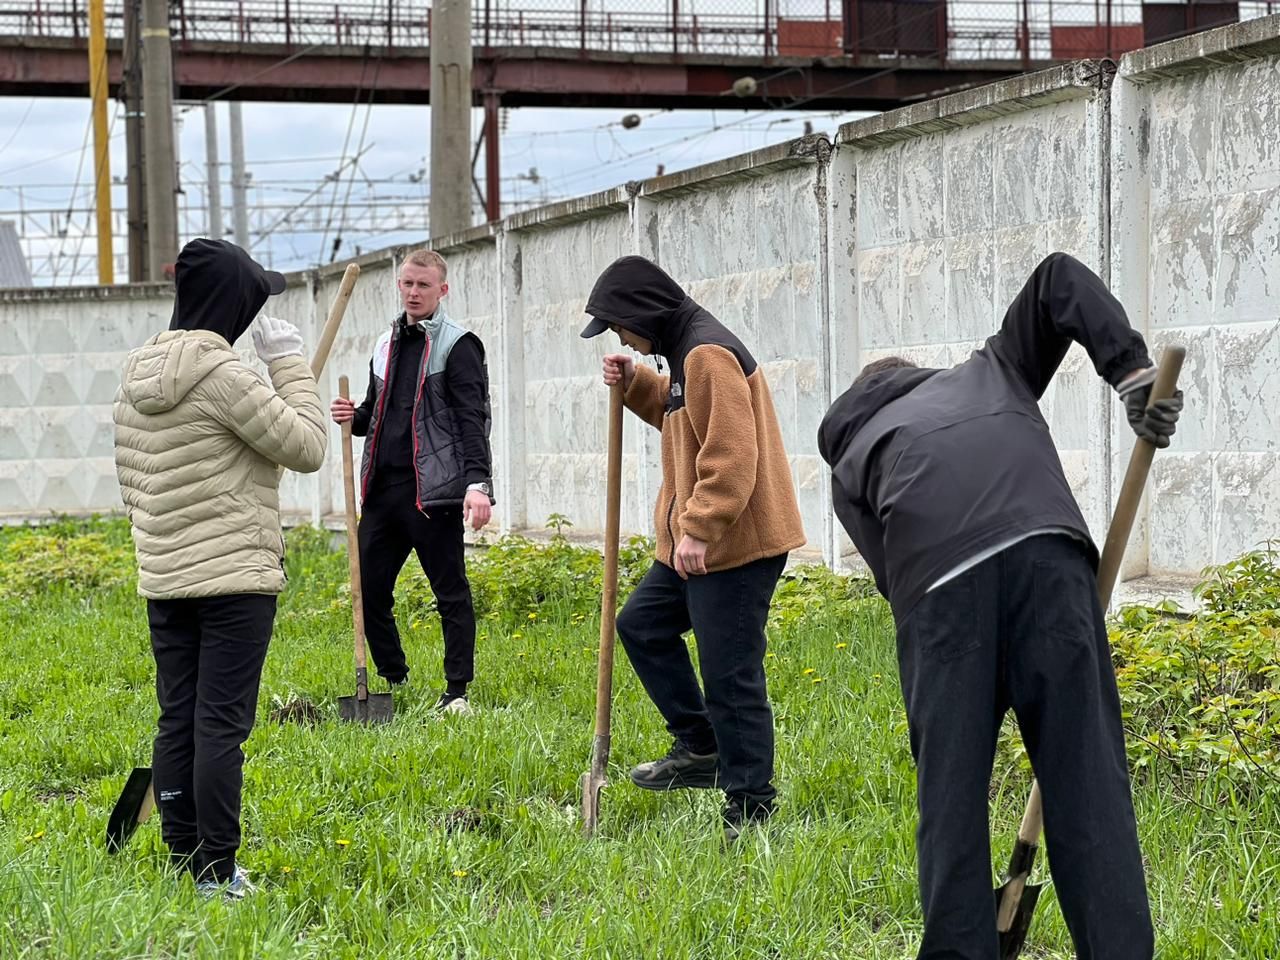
x=198, y=437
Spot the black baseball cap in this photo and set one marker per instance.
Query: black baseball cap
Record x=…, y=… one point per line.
x=594, y=328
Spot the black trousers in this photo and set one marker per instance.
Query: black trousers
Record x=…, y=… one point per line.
x=1023, y=629
x=209, y=655
x=390, y=527
x=727, y=613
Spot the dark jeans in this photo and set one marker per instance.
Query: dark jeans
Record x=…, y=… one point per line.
x=209, y=654
x=390, y=527
x=727, y=612
x=1023, y=629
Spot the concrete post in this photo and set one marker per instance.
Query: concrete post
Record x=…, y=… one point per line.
x=131, y=94
x=214, y=225
x=450, y=53
x=842, y=340
x=157, y=104
x=509, y=456
x=239, y=181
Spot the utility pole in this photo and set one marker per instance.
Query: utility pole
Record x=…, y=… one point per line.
x=157, y=104
x=136, y=175
x=492, y=160
x=450, y=50
x=214, y=226
x=98, y=87
x=239, y=182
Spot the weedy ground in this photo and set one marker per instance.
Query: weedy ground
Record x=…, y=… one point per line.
x=458, y=837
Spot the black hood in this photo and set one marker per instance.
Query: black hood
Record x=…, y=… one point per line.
x=860, y=403
x=637, y=295
x=220, y=288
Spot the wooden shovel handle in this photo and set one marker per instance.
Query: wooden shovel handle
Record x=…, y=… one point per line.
x=336, y=311
x=330, y=332
x=609, y=584
x=1135, y=482
x=353, y=546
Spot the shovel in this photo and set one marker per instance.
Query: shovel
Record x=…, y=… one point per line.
x=594, y=779
x=1015, y=898
x=137, y=799
x=364, y=707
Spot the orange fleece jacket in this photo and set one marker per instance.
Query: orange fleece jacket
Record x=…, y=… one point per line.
x=725, y=474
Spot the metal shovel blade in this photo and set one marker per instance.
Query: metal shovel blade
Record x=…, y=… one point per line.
x=591, y=787
x=377, y=708
x=1013, y=939
x=136, y=802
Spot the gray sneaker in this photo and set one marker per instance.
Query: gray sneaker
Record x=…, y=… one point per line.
x=237, y=889
x=680, y=768
x=738, y=815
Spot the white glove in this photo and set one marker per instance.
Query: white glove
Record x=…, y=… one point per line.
x=275, y=339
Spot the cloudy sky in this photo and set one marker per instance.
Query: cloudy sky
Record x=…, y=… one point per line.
x=322, y=173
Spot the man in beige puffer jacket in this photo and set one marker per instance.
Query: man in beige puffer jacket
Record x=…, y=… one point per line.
x=199, y=438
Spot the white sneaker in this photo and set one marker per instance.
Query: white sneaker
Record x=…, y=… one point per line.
x=458, y=705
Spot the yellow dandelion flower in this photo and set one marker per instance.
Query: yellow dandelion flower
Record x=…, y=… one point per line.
x=459, y=873
x=286, y=869
x=533, y=615
x=35, y=836
x=841, y=646
x=807, y=670
x=343, y=843
x=818, y=680
x=770, y=654
x=517, y=635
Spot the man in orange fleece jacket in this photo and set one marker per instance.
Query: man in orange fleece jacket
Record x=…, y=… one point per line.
x=726, y=517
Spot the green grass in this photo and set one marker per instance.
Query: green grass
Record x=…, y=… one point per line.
x=352, y=835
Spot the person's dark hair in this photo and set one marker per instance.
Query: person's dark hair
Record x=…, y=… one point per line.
x=879, y=366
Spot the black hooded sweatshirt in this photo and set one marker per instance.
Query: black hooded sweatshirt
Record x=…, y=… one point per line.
x=220, y=288
x=931, y=467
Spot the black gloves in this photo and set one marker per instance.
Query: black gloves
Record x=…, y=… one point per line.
x=1157, y=424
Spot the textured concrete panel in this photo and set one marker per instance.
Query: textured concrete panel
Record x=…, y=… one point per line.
x=1245, y=505
x=1180, y=484
x=1248, y=268
x=1247, y=415
x=970, y=199
x=1201, y=182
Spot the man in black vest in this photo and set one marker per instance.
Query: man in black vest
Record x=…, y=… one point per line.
x=426, y=470
x=950, y=486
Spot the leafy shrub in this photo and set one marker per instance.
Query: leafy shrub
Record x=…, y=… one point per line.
x=74, y=555
x=516, y=576
x=1201, y=694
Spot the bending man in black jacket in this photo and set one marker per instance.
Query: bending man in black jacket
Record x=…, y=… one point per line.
x=949, y=484
x=426, y=470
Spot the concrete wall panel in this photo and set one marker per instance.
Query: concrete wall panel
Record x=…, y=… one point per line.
x=1196, y=246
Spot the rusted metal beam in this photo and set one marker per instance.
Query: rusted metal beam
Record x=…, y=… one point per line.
x=523, y=76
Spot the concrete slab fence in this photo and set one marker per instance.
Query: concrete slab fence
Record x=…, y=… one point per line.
x=909, y=233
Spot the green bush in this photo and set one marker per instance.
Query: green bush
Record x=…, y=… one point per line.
x=515, y=579
x=1201, y=693
x=66, y=554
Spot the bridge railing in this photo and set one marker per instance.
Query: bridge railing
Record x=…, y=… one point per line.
x=1030, y=30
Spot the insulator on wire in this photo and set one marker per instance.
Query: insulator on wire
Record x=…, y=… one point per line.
x=744, y=86
x=631, y=121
